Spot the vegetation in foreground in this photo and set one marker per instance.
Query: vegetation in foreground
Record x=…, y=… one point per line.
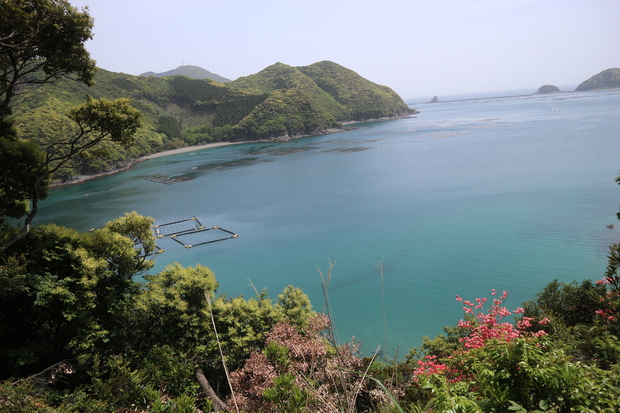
x=79, y=334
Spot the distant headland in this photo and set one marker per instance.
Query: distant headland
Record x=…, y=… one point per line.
x=607, y=79
x=195, y=72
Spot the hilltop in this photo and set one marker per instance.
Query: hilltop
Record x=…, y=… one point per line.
x=195, y=72
x=548, y=89
x=607, y=79
x=280, y=102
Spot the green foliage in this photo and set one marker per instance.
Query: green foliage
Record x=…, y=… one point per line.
x=242, y=324
x=100, y=119
x=296, y=306
x=22, y=397
x=566, y=304
x=139, y=230
x=42, y=40
x=64, y=294
x=286, y=395
x=173, y=309
x=364, y=99
x=22, y=159
x=440, y=346
x=169, y=126
x=94, y=122
x=288, y=113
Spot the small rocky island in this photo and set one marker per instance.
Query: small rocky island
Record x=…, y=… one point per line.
x=434, y=100
x=548, y=89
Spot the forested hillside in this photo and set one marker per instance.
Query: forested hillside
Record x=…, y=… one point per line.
x=280, y=102
x=607, y=79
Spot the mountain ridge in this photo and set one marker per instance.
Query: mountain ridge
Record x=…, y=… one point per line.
x=195, y=72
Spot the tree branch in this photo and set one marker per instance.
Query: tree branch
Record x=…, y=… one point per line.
x=218, y=404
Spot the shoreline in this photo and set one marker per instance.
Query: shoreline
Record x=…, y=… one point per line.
x=84, y=178
x=131, y=162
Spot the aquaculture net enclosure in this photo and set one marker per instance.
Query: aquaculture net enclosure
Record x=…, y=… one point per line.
x=177, y=227
x=203, y=236
x=191, y=232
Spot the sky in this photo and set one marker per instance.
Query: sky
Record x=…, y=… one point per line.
x=419, y=48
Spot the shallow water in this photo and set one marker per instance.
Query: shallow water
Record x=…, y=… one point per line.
x=507, y=193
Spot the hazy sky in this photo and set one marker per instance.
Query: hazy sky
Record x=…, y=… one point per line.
x=419, y=48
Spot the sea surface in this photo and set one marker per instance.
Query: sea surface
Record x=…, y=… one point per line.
x=467, y=196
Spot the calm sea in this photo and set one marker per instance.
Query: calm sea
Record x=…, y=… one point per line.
x=468, y=196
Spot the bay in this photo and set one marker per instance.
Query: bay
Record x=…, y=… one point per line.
x=498, y=193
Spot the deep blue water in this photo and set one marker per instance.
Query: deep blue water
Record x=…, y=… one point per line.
x=507, y=193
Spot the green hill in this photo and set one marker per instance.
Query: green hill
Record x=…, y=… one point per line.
x=363, y=98
x=195, y=72
x=280, y=102
x=607, y=79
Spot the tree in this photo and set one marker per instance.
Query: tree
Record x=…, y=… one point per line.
x=64, y=294
x=95, y=121
x=41, y=41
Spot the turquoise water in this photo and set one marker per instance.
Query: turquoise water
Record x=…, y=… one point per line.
x=507, y=193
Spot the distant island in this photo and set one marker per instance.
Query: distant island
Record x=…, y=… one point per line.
x=434, y=100
x=548, y=89
x=607, y=79
x=195, y=72
x=280, y=102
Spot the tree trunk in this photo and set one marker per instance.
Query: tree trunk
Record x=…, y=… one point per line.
x=218, y=404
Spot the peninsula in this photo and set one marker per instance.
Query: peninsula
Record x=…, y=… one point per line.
x=280, y=102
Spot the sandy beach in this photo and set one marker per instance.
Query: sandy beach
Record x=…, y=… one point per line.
x=83, y=178
x=186, y=149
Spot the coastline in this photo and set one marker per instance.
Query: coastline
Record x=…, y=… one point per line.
x=83, y=178
x=131, y=162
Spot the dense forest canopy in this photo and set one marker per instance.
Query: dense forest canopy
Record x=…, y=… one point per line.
x=80, y=334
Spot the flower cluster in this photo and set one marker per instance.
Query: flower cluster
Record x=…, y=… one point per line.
x=429, y=366
x=483, y=326
x=489, y=325
x=610, y=304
